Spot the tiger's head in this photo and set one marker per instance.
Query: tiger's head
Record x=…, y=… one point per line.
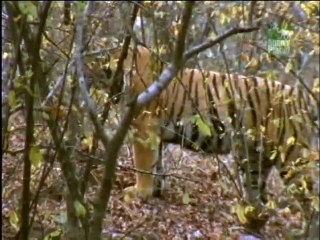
x=107, y=70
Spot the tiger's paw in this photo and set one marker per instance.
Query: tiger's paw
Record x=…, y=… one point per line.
x=134, y=192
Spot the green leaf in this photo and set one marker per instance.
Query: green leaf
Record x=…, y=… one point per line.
x=28, y=8
x=186, y=198
x=202, y=125
x=195, y=146
x=82, y=5
x=12, y=101
x=54, y=235
x=80, y=209
x=35, y=156
x=292, y=188
x=14, y=220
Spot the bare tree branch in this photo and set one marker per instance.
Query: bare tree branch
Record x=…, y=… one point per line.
x=116, y=80
x=15, y=12
x=63, y=155
x=51, y=158
x=110, y=158
x=82, y=80
x=111, y=146
x=182, y=34
x=170, y=72
x=210, y=43
x=115, y=89
x=9, y=68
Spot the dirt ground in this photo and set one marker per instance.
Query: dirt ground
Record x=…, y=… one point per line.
x=199, y=200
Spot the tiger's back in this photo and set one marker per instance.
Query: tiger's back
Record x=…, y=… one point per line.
x=226, y=102
x=230, y=102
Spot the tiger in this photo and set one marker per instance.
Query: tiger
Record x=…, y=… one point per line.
x=264, y=123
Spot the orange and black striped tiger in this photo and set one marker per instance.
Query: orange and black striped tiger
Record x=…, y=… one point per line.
x=264, y=123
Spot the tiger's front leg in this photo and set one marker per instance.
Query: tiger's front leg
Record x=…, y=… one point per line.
x=146, y=150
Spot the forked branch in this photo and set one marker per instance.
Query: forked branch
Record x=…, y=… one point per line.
x=170, y=72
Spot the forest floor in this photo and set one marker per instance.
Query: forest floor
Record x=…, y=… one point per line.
x=199, y=200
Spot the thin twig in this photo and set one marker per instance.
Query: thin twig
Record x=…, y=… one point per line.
x=291, y=71
x=203, y=46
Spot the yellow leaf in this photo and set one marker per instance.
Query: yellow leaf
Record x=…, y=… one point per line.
x=241, y=214
x=289, y=67
x=113, y=64
x=35, y=156
x=304, y=185
x=163, y=50
x=250, y=133
x=272, y=205
x=315, y=203
x=289, y=174
x=276, y=122
x=305, y=153
x=186, y=198
x=223, y=19
x=316, y=85
x=274, y=154
x=128, y=198
x=253, y=65
x=212, y=35
x=14, y=220
x=86, y=144
x=5, y=55
x=248, y=210
x=228, y=119
x=291, y=140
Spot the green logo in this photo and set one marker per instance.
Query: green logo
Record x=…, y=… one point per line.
x=279, y=39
